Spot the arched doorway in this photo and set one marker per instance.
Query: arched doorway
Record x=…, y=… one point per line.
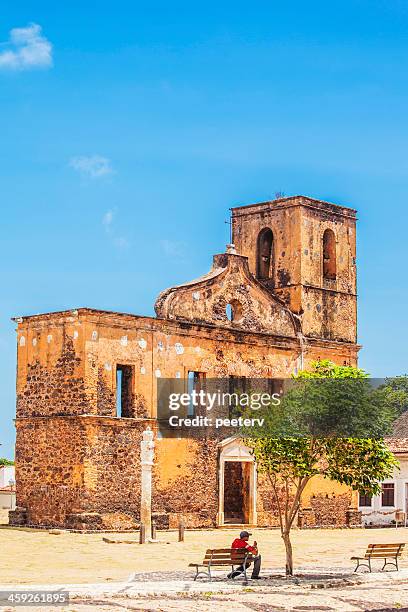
x=237, y=484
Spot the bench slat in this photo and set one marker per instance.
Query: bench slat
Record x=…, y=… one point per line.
x=227, y=559
x=214, y=563
x=384, y=546
x=379, y=556
x=394, y=545
x=391, y=551
x=225, y=556
x=383, y=553
x=373, y=551
x=230, y=559
x=382, y=556
x=220, y=550
x=225, y=550
x=235, y=551
x=231, y=556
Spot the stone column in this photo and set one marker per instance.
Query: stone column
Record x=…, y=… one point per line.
x=220, y=514
x=146, y=460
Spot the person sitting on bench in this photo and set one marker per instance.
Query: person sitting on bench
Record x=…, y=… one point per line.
x=242, y=542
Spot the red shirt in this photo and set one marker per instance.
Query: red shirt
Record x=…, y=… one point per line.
x=238, y=543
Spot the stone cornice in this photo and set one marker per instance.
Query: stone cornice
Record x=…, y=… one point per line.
x=125, y=321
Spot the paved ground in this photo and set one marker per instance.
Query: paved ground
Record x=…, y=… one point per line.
x=30, y=557
x=317, y=590
x=113, y=577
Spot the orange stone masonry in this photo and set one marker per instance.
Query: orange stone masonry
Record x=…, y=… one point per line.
x=78, y=461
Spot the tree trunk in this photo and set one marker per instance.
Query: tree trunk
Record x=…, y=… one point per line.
x=289, y=553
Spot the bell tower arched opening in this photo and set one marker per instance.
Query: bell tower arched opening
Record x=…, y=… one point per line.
x=265, y=254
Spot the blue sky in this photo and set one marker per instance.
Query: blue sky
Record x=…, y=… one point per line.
x=128, y=129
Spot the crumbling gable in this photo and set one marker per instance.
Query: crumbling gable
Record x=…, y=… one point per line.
x=228, y=296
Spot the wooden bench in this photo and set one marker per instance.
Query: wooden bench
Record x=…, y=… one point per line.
x=380, y=551
x=217, y=557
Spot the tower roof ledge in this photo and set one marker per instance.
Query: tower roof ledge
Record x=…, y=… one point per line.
x=296, y=200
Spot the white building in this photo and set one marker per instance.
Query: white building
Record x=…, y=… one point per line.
x=7, y=487
x=381, y=509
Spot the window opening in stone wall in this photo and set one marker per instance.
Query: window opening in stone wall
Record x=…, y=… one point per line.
x=364, y=500
x=329, y=255
x=388, y=494
x=124, y=390
x=229, y=312
x=265, y=259
x=196, y=382
x=234, y=311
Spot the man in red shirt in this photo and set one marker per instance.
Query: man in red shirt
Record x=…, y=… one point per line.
x=242, y=542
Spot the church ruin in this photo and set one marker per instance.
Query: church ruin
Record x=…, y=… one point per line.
x=282, y=296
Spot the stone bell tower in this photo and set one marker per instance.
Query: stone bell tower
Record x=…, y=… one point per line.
x=304, y=251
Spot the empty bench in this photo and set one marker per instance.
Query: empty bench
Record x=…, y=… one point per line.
x=390, y=553
x=218, y=557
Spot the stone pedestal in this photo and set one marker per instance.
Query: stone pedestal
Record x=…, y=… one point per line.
x=146, y=461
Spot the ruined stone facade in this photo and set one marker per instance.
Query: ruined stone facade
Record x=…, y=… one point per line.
x=283, y=297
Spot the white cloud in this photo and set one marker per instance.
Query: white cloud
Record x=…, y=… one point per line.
x=173, y=248
x=107, y=219
x=120, y=242
x=92, y=166
x=28, y=49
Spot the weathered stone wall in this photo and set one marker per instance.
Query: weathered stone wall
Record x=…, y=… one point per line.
x=52, y=343
x=329, y=314
x=267, y=507
x=326, y=503
x=78, y=461
x=113, y=471
x=78, y=466
x=229, y=282
x=285, y=221
x=342, y=221
x=327, y=308
x=326, y=511
x=78, y=375
x=319, y=510
x=80, y=380
x=50, y=469
x=186, y=481
x=54, y=389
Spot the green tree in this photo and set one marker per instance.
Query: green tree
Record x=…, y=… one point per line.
x=330, y=423
x=5, y=462
x=395, y=392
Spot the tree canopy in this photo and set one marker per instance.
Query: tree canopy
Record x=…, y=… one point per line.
x=331, y=423
x=5, y=462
